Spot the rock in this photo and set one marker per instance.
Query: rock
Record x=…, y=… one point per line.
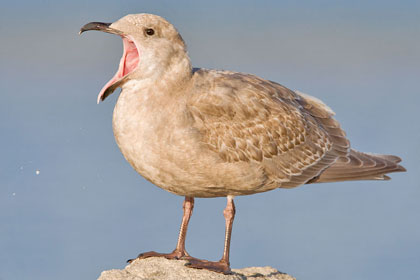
x=161, y=268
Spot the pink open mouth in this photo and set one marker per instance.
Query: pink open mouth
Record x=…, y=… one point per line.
x=129, y=61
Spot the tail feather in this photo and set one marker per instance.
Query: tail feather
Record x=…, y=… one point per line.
x=360, y=166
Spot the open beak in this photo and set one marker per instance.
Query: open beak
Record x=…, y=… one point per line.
x=129, y=60
x=99, y=26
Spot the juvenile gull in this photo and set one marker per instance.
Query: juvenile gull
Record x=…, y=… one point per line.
x=210, y=133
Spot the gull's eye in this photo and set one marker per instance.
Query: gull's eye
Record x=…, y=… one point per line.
x=149, y=31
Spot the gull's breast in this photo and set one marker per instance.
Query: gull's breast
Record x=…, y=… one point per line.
x=157, y=139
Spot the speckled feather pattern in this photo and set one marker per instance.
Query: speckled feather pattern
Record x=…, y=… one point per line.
x=244, y=118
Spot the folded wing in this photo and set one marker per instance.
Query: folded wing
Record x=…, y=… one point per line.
x=243, y=118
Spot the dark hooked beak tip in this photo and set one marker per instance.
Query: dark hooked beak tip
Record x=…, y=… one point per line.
x=100, y=26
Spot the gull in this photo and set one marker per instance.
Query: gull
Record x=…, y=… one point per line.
x=209, y=133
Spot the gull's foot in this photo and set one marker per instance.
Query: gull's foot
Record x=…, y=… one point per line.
x=171, y=256
x=220, y=266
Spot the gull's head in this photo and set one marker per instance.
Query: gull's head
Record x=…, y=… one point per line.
x=151, y=46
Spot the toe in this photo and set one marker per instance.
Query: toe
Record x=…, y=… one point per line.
x=220, y=267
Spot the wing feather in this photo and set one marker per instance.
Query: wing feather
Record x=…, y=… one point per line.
x=361, y=166
x=243, y=118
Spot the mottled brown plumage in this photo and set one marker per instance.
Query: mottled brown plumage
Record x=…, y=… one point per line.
x=292, y=136
x=243, y=118
x=210, y=133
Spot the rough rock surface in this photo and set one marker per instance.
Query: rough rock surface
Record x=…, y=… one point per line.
x=161, y=268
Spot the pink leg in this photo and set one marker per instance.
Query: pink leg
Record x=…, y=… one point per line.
x=179, y=251
x=222, y=266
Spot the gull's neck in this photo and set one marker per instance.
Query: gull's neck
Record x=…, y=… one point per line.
x=170, y=75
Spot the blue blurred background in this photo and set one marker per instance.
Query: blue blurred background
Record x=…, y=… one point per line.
x=71, y=206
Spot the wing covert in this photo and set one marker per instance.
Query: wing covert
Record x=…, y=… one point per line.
x=244, y=118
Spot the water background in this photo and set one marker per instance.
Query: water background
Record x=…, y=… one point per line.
x=71, y=206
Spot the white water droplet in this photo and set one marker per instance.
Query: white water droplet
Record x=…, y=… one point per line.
x=37, y=172
x=14, y=194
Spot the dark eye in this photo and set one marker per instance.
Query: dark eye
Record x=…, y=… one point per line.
x=150, y=31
